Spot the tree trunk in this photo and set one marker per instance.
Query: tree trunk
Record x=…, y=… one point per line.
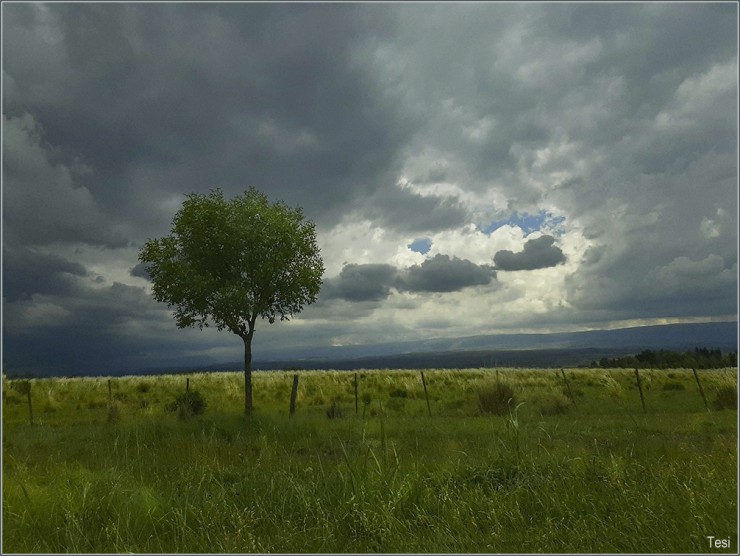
x=248, y=376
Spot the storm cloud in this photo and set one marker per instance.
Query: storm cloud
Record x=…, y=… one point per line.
x=251, y=90
x=29, y=272
x=444, y=274
x=367, y=282
x=537, y=253
x=386, y=123
x=374, y=282
x=140, y=271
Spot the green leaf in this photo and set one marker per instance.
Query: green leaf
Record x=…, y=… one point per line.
x=227, y=262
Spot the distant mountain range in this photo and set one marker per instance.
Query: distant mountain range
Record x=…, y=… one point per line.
x=721, y=335
x=566, y=349
x=505, y=350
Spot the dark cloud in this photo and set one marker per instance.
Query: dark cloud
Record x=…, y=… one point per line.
x=604, y=114
x=537, y=253
x=374, y=282
x=629, y=286
x=537, y=102
x=444, y=274
x=107, y=329
x=43, y=200
x=436, y=174
x=406, y=211
x=28, y=272
x=161, y=100
x=140, y=271
x=360, y=282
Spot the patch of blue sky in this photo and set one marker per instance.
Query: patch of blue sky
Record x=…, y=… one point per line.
x=421, y=245
x=527, y=222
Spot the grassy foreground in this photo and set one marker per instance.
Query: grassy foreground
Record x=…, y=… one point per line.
x=549, y=476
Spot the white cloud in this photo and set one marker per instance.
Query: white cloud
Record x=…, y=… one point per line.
x=711, y=228
x=697, y=96
x=364, y=242
x=472, y=244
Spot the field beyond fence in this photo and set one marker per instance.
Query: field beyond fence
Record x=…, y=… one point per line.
x=451, y=461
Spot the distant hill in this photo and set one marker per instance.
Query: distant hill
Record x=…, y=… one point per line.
x=505, y=350
x=722, y=335
x=566, y=349
x=455, y=359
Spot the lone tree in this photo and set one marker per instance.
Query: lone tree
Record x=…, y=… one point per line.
x=227, y=262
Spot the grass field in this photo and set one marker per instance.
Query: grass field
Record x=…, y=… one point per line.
x=549, y=475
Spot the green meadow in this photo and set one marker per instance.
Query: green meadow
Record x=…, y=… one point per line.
x=562, y=468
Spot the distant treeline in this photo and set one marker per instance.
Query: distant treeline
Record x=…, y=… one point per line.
x=700, y=358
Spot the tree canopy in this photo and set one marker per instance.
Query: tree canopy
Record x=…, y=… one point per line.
x=228, y=262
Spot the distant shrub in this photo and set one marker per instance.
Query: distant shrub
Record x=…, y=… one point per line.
x=366, y=399
x=143, y=387
x=496, y=399
x=188, y=404
x=555, y=404
x=334, y=411
x=399, y=393
x=673, y=386
x=726, y=398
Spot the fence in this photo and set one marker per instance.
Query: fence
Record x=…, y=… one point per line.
x=431, y=388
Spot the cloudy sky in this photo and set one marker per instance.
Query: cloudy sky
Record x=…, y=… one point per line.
x=471, y=168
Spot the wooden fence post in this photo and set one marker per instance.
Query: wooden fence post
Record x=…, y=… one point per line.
x=356, y=405
x=30, y=407
x=570, y=393
x=293, y=395
x=701, y=390
x=24, y=387
x=187, y=385
x=426, y=395
x=639, y=386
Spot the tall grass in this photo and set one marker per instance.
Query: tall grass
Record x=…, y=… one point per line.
x=602, y=478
